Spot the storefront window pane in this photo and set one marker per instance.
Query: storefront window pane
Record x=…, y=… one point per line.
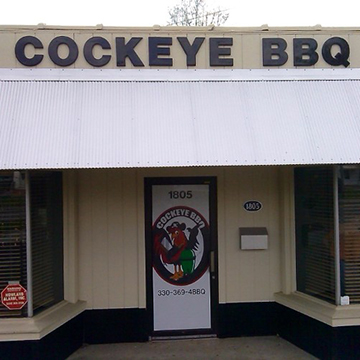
x=314, y=219
x=349, y=217
x=12, y=234
x=46, y=237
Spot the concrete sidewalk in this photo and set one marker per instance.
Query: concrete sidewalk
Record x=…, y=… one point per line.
x=244, y=348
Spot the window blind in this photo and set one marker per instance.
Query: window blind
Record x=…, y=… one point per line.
x=12, y=235
x=349, y=214
x=314, y=221
x=46, y=239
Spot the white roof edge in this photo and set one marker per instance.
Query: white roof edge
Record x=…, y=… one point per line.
x=59, y=74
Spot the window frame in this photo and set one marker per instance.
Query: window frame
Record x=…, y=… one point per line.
x=40, y=325
x=320, y=310
x=336, y=229
x=42, y=225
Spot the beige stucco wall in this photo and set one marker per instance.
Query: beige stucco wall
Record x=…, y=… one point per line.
x=112, y=242
x=246, y=50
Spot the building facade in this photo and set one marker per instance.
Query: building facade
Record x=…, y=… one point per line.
x=175, y=181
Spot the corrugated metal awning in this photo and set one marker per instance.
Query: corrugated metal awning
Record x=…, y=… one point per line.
x=155, y=118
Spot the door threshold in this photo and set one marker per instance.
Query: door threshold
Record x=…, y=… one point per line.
x=182, y=337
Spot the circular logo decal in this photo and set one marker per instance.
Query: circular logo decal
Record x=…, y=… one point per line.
x=181, y=244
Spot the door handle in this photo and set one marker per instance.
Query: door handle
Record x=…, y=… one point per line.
x=212, y=261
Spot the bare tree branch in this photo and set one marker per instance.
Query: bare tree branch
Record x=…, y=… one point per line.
x=196, y=13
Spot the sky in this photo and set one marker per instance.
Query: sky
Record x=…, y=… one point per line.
x=155, y=12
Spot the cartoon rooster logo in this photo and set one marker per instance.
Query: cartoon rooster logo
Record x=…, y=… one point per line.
x=176, y=248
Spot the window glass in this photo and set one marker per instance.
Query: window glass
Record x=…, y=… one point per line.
x=46, y=239
x=12, y=234
x=314, y=224
x=349, y=218
x=46, y=224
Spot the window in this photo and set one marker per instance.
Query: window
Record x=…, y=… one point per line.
x=349, y=219
x=12, y=234
x=31, y=218
x=327, y=222
x=314, y=219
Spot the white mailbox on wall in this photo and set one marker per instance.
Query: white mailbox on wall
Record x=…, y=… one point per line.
x=253, y=238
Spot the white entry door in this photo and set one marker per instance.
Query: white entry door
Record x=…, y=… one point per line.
x=181, y=246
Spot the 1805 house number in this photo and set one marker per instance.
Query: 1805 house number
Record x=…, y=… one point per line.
x=180, y=194
x=252, y=205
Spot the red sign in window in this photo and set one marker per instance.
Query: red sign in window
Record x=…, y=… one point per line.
x=14, y=297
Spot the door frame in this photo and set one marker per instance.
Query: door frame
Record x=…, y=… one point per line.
x=214, y=281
